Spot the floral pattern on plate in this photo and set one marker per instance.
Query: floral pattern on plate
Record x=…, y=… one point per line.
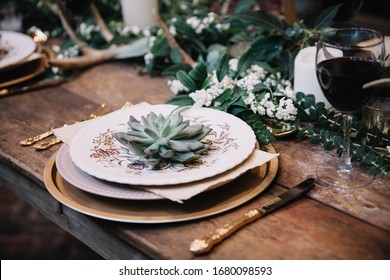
x=95, y=151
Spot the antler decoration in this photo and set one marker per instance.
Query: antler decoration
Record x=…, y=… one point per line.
x=90, y=55
x=93, y=56
x=173, y=43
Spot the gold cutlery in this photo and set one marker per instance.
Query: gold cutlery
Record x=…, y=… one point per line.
x=46, y=145
x=204, y=244
x=102, y=110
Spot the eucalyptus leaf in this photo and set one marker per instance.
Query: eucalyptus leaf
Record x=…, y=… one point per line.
x=328, y=145
x=309, y=101
x=136, y=48
x=263, y=135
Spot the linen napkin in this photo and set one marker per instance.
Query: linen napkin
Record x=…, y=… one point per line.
x=181, y=192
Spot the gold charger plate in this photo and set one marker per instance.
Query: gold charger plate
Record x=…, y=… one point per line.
x=32, y=67
x=212, y=202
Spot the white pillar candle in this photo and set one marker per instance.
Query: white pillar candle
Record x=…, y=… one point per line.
x=139, y=12
x=305, y=78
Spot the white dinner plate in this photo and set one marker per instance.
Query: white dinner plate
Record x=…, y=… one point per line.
x=18, y=45
x=78, y=178
x=96, y=152
x=75, y=176
x=236, y=193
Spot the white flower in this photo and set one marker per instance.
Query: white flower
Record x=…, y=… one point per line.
x=152, y=39
x=222, y=26
x=199, y=28
x=200, y=24
x=226, y=83
x=148, y=57
x=146, y=32
x=270, y=113
x=225, y=26
x=172, y=30
x=388, y=149
x=125, y=30
x=202, y=98
x=286, y=110
x=289, y=92
x=87, y=30
x=193, y=22
x=176, y=86
x=250, y=98
x=261, y=110
x=183, y=7
x=233, y=63
x=135, y=29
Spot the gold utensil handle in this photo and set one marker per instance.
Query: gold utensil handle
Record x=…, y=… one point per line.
x=46, y=145
x=205, y=244
x=35, y=139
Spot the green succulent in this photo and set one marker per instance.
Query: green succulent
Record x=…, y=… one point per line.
x=159, y=139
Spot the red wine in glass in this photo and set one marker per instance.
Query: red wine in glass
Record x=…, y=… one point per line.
x=346, y=59
x=342, y=78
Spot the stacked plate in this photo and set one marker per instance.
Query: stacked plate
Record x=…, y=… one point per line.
x=98, y=176
x=20, y=58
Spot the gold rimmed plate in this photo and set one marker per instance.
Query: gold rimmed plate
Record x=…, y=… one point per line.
x=32, y=67
x=96, y=152
x=17, y=47
x=216, y=201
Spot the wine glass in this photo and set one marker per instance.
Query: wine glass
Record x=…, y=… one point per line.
x=346, y=59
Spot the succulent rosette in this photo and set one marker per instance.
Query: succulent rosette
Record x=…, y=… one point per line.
x=159, y=139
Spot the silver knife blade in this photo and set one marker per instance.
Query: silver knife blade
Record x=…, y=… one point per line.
x=205, y=244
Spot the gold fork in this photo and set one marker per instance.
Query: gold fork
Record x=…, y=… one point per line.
x=103, y=109
x=127, y=105
x=51, y=143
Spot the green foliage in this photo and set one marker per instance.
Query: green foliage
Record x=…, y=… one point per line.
x=324, y=126
x=261, y=130
x=269, y=42
x=223, y=67
x=245, y=61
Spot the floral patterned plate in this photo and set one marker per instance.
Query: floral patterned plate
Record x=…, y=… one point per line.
x=75, y=176
x=96, y=152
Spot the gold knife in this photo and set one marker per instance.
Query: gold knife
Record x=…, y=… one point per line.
x=204, y=244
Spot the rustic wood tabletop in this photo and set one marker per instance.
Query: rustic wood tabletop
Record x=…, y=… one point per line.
x=329, y=223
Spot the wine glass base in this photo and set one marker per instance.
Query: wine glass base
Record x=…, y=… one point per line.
x=329, y=174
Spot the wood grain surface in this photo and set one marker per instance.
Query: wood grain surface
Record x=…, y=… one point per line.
x=329, y=223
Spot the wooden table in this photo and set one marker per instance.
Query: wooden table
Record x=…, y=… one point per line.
x=328, y=224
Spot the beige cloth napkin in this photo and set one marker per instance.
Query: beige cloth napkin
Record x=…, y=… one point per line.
x=181, y=192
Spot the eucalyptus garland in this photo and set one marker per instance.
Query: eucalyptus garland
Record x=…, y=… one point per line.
x=244, y=66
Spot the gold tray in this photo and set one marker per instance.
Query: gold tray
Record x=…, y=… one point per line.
x=209, y=203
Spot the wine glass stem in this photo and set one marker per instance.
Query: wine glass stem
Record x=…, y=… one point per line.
x=345, y=164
